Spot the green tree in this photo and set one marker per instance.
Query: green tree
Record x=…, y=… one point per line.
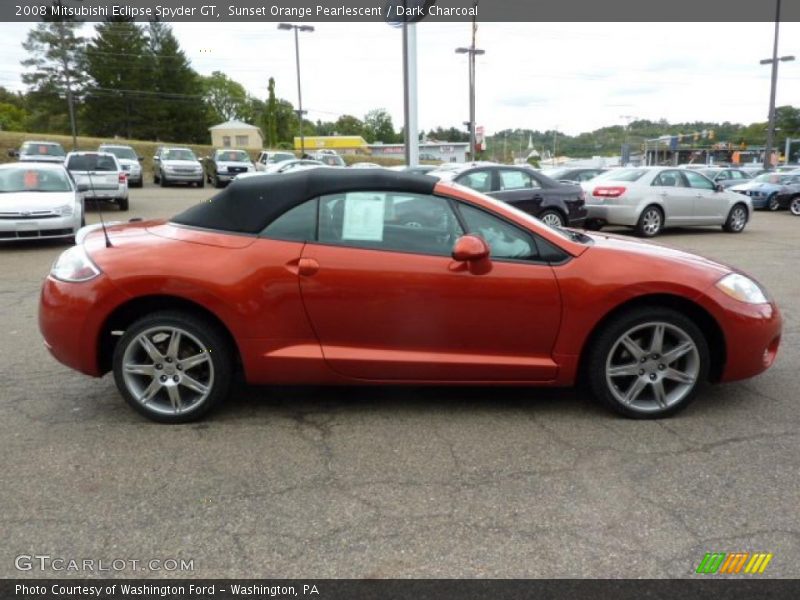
x=180, y=115
x=271, y=117
x=12, y=117
x=349, y=125
x=119, y=97
x=226, y=98
x=378, y=127
x=55, y=71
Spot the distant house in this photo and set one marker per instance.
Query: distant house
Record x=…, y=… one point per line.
x=236, y=134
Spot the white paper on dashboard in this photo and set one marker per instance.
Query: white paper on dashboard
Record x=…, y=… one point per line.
x=363, y=217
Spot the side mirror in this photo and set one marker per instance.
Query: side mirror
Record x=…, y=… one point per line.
x=13, y=153
x=82, y=187
x=140, y=158
x=470, y=248
x=156, y=159
x=719, y=188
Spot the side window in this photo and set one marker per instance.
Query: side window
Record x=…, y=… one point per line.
x=505, y=240
x=668, y=179
x=698, y=181
x=298, y=224
x=515, y=180
x=480, y=181
x=398, y=221
x=587, y=175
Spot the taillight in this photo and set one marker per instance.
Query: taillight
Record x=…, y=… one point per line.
x=122, y=178
x=612, y=191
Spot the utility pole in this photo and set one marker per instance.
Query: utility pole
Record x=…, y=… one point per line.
x=300, y=112
x=68, y=85
x=472, y=51
x=774, y=62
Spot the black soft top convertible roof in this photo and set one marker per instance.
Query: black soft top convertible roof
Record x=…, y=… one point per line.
x=249, y=204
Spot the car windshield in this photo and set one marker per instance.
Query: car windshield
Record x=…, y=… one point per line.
x=332, y=160
x=710, y=173
x=555, y=173
x=178, y=154
x=280, y=157
x=30, y=179
x=233, y=155
x=120, y=152
x=39, y=149
x=91, y=162
x=768, y=178
x=622, y=175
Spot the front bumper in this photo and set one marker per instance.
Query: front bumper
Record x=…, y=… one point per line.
x=183, y=177
x=38, y=229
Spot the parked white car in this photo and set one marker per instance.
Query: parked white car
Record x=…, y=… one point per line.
x=128, y=160
x=177, y=165
x=38, y=201
x=102, y=175
x=267, y=158
x=41, y=152
x=652, y=198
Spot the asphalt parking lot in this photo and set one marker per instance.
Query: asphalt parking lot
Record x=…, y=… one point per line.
x=399, y=482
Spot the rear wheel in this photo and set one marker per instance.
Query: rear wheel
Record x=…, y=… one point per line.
x=173, y=367
x=737, y=219
x=794, y=206
x=123, y=204
x=651, y=222
x=593, y=225
x=552, y=218
x=648, y=362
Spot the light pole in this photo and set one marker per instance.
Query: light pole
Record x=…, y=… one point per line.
x=774, y=62
x=300, y=111
x=472, y=51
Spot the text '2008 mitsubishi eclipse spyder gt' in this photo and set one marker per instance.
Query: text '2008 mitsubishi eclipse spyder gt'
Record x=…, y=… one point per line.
x=376, y=277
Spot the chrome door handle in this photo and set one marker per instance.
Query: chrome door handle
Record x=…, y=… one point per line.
x=307, y=267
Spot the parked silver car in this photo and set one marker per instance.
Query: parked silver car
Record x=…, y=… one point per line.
x=39, y=200
x=102, y=175
x=128, y=160
x=41, y=152
x=177, y=165
x=652, y=198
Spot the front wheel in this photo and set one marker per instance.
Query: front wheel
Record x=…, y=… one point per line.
x=737, y=219
x=552, y=218
x=173, y=367
x=162, y=181
x=650, y=223
x=794, y=206
x=772, y=202
x=648, y=362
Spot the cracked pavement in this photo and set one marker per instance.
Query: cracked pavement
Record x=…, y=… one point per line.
x=400, y=482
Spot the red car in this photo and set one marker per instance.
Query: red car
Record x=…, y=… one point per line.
x=378, y=277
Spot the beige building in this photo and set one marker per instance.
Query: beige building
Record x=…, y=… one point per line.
x=236, y=134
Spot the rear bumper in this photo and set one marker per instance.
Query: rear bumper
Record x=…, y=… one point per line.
x=613, y=214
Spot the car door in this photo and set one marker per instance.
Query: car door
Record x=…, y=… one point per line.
x=710, y=206
x=519, y=188
x=677, y=199
x=388, y=302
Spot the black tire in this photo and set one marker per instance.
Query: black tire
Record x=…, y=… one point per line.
x=162, y=181
x=155, y=178
x=123, y=204
x=794, y=206
x=215, y=182
x=218, y=361
x=550, y=216
x=201, y=183
x=651, y=222
x=772, y=202
x=606, y=345
x=737, y=219
x=138, y=184
x=593, y=225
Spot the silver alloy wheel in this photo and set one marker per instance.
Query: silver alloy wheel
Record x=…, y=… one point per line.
x=652, y=367
x=772, y=202
x=738, y=218
x=552, y=219
x=651, y=221
x=795, y=206
x=168, y=370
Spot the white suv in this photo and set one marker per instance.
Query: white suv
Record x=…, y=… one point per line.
x=268, y=157
x=101, y=174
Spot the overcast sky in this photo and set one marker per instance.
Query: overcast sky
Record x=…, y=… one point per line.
x=576, y=76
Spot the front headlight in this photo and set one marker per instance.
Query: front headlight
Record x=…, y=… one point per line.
x=74, y=265
x=65, y=210
x=742, y=288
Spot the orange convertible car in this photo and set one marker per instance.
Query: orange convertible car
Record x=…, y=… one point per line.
x=377, y=277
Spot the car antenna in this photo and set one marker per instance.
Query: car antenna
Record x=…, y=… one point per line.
x=99, y=210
